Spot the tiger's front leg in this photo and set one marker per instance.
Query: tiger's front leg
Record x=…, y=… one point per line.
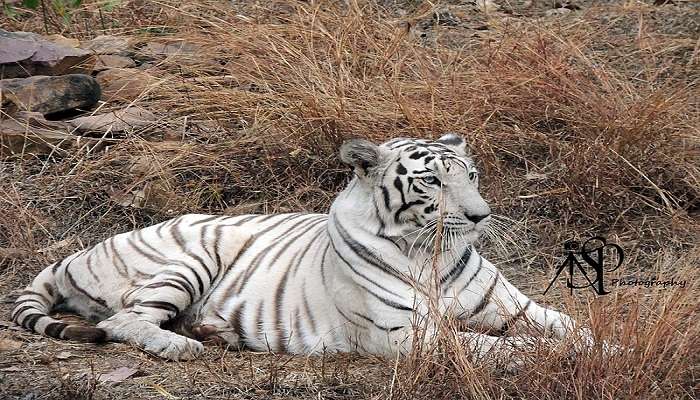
x=506, y=350
x=505, y=310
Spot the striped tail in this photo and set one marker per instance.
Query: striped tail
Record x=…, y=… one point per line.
x=35, y=303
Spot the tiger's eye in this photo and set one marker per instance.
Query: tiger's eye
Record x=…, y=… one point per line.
x=430, y=180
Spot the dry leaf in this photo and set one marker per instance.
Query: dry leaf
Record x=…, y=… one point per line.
x=118, y=375
x=9, y=344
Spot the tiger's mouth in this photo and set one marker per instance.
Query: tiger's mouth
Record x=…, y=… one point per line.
x=465, y=230
x=464, y=226
x=456, y=225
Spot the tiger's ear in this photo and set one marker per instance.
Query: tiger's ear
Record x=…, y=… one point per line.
x=455, y=141
x=360, y=154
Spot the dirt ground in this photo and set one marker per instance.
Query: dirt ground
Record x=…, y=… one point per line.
x=583, y=116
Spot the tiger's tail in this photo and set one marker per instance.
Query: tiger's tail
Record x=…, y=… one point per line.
x=34, y=304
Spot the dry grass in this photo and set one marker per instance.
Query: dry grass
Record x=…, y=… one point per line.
x=584, y=124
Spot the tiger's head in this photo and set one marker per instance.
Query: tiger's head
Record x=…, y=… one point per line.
x=412, y=183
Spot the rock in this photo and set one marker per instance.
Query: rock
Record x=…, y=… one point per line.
x=49, y=94
x=63, y=41
x=123, y=84
x=24, y=138
x=155, y=49
x=117, y=121
x=37, y=120
x=107, y=61
x=180, y=53
x=106, y=44
x=24, y=54
x=15, y=47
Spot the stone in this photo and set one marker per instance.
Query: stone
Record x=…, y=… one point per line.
x=15, y=47
x=25, y=54
x=180, y=52
x=107, y=61
x=49, y=94
x=118, y=121
x=37, y=120
x=123, y=84
x=63, y=41
x=26, y=139
x=155, y=49
x=107, y=44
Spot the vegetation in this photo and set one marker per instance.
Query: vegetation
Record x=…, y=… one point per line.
x=583, y=124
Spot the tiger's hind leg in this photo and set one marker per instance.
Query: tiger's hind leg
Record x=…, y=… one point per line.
x=160, y=299
x=214, y=328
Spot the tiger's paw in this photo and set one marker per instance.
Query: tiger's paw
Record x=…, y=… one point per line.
x=173, y=347
x=585, y=343
x=610, y=349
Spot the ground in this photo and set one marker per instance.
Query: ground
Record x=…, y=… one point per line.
x=583, y=117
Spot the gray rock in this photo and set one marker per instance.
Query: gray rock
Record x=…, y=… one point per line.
x=118, y=121
x=123, y=84
x=107, y=61
x=24, y=54
x=155, y=49
x=49, y=94
x=35, y=136
x=106, y=44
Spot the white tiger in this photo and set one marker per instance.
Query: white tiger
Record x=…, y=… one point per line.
x=353, y=280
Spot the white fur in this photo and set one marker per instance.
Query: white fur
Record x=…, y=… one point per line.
x=357, y=279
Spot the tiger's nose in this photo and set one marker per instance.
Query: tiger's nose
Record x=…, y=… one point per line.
x=476, y=218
